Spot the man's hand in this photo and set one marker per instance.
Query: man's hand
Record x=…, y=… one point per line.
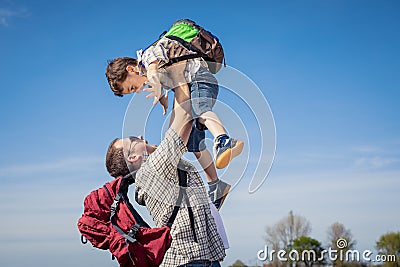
x=177, y=73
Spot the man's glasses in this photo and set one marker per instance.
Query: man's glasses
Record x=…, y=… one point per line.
x=135, y=140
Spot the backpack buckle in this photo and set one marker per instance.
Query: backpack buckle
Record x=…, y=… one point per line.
x=132, y=233
x=114, y=205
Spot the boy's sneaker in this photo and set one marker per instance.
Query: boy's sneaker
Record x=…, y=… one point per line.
x=218, y=192
x=225, y=149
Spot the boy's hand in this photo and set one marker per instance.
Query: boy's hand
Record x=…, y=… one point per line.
x=154, y=82
x=154, y=89
x=164, y=103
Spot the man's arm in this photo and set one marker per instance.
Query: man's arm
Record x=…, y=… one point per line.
x=166, y=157
x=182, y=117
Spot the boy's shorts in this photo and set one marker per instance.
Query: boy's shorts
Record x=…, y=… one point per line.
x=203, y=93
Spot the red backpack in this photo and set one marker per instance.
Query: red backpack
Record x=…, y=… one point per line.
x=110, y=222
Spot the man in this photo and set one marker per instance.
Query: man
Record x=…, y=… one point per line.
x=156, y=179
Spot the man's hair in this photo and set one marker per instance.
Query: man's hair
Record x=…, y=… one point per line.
x=116, y=72
x=116, y=163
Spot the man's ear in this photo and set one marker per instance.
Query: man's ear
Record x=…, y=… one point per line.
x=132, y=158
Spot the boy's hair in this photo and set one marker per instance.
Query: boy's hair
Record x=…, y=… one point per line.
x=116, y=72
x=115, y=161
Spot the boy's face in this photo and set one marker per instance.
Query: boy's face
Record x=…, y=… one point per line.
x=133, y=82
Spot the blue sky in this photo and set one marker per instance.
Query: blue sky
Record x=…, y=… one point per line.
x=328, y=69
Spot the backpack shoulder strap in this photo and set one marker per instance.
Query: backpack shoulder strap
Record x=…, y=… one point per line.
x=122, y=195
x=183, y=194
x=188, y=46
x=185, y=44
x=182, y=181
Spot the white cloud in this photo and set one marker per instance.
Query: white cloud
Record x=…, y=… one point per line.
x=6, y=14
x=376, y=161
x=367, y=157
x=376, y=156
x=367, y=149
x=54, y=167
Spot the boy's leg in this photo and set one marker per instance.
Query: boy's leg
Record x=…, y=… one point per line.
x=205, y=159
x=203, y=97
x=212, y=122
x=218, y=190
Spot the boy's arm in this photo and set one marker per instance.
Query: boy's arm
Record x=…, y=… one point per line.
x=154, y=81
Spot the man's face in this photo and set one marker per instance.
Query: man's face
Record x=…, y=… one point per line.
x=135, y=148
x=133, y=82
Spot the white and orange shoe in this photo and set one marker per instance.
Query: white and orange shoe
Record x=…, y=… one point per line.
x=225, y=149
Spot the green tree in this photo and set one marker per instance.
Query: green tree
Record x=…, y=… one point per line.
x=389, y=244
x=309, y=250
x=238, y=263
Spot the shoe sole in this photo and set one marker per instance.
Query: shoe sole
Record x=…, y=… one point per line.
x=224, y=195
x=226, y=157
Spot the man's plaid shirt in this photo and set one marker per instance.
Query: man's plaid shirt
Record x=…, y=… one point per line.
x=157, y=187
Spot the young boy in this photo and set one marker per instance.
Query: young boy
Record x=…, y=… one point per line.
x=127, y=75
